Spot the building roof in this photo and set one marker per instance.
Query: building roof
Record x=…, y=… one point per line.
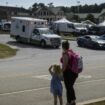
x=9, y=8
x=53, y=10
x=43, y=8
x=84, y=15
x=88, y=22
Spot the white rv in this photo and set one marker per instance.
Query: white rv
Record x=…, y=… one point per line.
x=63, y=25
x=35, y=31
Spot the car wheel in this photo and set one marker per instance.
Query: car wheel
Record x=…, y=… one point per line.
x=80, y=44
x=43, y=44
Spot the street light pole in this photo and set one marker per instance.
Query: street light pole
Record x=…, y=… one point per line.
x=6, y=3
x=6, y=11
x=78, y=2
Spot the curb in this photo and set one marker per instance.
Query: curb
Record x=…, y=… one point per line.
x=91, y=101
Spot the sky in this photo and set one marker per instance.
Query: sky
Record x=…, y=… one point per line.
x=29, y=3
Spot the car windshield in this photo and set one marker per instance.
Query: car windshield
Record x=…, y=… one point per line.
x=98, y=38
x=101, y=38
x=45, y=31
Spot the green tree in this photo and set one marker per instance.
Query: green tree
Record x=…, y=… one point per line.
x=75, y=18
x=90, y=17
x=50, y=4
x=35, y=6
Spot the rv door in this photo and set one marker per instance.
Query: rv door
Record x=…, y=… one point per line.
x=35, y=37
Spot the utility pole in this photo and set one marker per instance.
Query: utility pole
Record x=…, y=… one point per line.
x=7, y=11
x=78, y=3
x=6, y=3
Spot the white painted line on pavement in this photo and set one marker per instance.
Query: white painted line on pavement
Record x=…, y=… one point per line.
x=38, y=89
x=45, y=77
x=91, y=81
x=91, y=101
x=85, y=76
x=48, y=77
x=17, y=92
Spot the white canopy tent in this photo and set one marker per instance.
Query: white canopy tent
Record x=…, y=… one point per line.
x=102, y=24
x=63, y=20
x=63, y=25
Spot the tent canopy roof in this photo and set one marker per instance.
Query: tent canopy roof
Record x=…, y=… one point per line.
x=102, y=24
x=63, y=20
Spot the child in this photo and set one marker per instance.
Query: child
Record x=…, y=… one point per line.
x=56, y=85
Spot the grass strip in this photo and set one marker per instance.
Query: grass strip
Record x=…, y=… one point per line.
x=6, y=51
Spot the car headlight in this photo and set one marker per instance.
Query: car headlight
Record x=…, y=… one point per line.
x=100, y=44
x=47, y=38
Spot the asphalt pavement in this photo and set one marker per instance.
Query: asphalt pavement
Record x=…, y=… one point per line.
x=25, y=80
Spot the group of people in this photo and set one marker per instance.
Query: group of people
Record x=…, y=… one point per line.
x=65, y=74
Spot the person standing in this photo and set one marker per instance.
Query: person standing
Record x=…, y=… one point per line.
x=56, y=85
x=69, y=76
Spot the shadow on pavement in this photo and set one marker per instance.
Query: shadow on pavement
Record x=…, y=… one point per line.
x=26, y=45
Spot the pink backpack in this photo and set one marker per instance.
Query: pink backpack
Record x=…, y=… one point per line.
x=76, y=62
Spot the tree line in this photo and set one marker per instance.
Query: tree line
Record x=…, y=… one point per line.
x=75, y=9
x=85, y=8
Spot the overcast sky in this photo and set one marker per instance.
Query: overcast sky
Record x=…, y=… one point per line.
x=29, y=3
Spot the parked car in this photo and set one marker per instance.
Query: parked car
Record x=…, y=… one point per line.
x=98, y=30
x=91, y=41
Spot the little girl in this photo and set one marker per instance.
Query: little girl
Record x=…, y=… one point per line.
x=56, y=85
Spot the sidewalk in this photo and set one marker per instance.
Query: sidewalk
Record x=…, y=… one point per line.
x=91, y=101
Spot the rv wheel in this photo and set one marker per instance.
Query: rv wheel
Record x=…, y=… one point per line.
x=18, y=38
x=43, y=44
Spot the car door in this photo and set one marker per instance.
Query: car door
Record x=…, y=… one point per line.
x=36, y=37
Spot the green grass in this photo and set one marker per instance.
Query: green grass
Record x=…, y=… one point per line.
x=6, y=51
x=97, y=103
x=69, y=37
x=4, y=32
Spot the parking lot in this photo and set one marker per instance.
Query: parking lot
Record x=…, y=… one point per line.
x=25, y=80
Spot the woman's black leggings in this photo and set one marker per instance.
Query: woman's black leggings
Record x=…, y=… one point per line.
x=69, y=80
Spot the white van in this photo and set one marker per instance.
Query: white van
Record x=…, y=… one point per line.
x=6, y=26
x=35, y=31
x=81, y=28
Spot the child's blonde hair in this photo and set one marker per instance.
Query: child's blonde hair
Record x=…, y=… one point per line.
x=57, y=69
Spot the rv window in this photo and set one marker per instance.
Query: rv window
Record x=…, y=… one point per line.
x=36, y=32
x=71, y=26
x=20, y=21
x=23, y=28
x=42, y=23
